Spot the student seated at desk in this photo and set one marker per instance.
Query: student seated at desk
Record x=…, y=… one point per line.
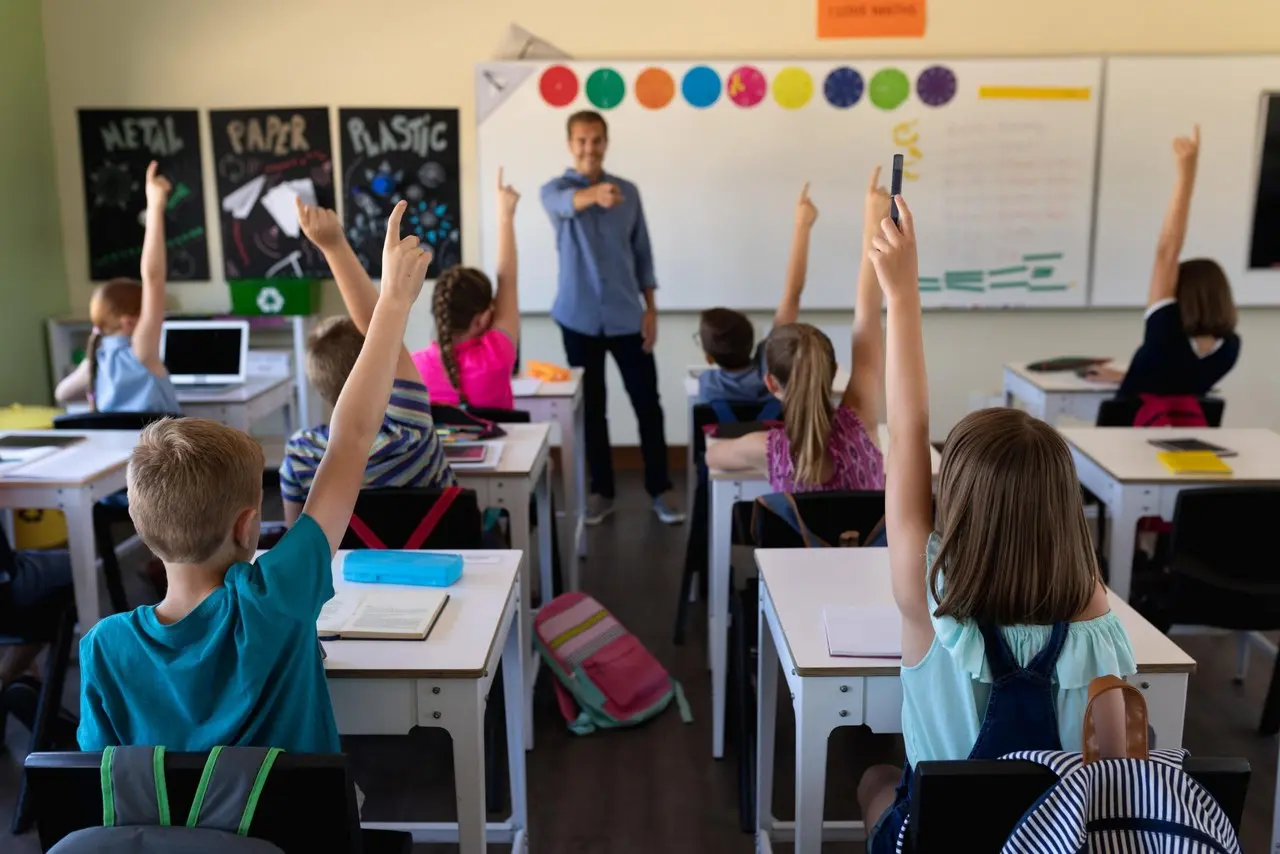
x=820, y=447
x=122, y=370
x=1189, y=341
x=230, y=656
x=406, y=450
x=1007, y=622
x=477, y=329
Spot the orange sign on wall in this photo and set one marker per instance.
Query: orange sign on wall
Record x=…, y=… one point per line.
x=855, y=19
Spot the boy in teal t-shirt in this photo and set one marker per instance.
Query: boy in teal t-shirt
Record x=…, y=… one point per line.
x=230, y=656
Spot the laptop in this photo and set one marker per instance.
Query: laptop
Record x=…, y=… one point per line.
x=205, y=355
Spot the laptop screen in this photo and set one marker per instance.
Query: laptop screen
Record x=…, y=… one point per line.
x=197, y=352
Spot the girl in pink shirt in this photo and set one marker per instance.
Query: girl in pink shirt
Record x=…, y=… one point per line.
x=477, y=330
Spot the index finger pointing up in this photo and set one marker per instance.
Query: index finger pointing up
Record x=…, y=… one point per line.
x=875, y=179
x=804, y=192
x=500, y=184
x=393, y=223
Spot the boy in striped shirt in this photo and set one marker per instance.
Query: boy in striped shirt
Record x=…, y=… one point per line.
x=406, y=451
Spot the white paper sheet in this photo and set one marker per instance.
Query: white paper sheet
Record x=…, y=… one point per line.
x=279, y=202
x=863, y=631
x=525, y=386
x=240, y=201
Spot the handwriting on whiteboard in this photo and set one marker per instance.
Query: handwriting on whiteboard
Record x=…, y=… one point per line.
x=906, y=137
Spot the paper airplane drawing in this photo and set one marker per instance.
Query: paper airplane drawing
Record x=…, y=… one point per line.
x=240, y=201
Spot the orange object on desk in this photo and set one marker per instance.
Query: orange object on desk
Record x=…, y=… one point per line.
x=547, y=372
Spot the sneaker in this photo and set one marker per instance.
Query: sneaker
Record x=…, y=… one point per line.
x=667, y=514
x=599, y=508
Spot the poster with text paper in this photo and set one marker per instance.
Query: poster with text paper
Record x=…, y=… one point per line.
x=115, y=148
x=264, y=161
x=394, y=154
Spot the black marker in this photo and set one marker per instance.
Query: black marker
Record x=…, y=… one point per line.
x=895, y=187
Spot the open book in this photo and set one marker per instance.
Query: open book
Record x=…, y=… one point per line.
x=381, y=614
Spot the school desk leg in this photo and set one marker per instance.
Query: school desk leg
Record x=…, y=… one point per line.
x=1122, y=529
x=766, y=719
x=513, y=676
x=1166, y=696
x=573, y=447
x=467, y=733
x=546, y=521
x=84, y=557
x=1275, y=816
x=723, y=494
x=513, y=496
x=813, y=728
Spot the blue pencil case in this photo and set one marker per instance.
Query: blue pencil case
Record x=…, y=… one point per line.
x=420, y=569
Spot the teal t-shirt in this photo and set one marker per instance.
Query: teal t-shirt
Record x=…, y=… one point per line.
x=243, y=668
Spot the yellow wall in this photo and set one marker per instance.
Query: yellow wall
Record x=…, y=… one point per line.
x=213, y=53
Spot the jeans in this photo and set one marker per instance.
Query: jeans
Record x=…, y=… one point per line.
x=640, y=376
x=37, y=575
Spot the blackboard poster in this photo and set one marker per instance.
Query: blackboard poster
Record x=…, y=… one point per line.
x=264, y=159
x=394, y=154
x=115, y=148
x=1264, y=249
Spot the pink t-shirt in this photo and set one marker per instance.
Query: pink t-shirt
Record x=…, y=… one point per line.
x=485, y=364
x=858, y=462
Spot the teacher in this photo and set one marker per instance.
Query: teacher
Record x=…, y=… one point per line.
x=604, y=304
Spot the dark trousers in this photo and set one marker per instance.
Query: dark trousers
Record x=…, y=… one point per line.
x=640, y=376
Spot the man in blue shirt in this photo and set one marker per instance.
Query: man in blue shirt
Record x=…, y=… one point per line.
x=604, y=305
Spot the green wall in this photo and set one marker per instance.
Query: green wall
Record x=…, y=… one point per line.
x=33, y=279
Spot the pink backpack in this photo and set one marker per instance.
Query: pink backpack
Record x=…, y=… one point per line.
x=605, y=678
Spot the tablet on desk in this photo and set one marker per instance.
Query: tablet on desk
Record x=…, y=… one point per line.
x=457, y=453
x=1190, y=445
x=22, y=442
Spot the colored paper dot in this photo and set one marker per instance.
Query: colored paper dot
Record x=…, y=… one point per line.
x=559, y=86
x=605, y=88
x=889, y=88
x=700, y=86
x=655, y=88
x=792, y=88
x=843, y=87
x=746, y=86
x=936, y=85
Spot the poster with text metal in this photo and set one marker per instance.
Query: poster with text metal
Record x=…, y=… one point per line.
x=393, y=154
x=265, y=160
x=115, y=148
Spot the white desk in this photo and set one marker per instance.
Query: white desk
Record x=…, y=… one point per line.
x=72, y=480
x=829, y=692
x=1051, y=395
x=521, y=473
x=241, y=406
x=389, y=687
x=561, y=403
x=726, y=489
x=838, y=386
x=1119, y=466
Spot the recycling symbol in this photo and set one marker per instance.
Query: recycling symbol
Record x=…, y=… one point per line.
x=270, y=300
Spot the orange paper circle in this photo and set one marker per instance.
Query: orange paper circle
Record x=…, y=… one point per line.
x=655, y=88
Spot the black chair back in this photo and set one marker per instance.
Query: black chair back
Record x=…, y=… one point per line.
x=109, y=420
x=946, y=797
x=447, y=414
x=704, y=415
x=393, y=515
x=1218, y=533
x=828, y=515
x=308, y=803
x=1121, y=411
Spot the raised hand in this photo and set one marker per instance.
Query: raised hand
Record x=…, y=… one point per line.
x=806, y=210
x=321, y=225
x=507, y=196
x=158, y=186
x=893, y=254
x=1186, y=149
x=877, y=204
x=404, y=261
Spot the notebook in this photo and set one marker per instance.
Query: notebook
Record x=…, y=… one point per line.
x=863, y=631
x=1193, y=462
x=1191, y=445
x=381, y=615
x=468, y=453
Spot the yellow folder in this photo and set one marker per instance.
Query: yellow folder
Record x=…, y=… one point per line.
x=1193, y=462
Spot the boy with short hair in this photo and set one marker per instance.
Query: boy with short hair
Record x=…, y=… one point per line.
x=406, y=450
x=230, y=656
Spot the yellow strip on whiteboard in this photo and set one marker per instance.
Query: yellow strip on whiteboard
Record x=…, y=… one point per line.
x=1036, y=93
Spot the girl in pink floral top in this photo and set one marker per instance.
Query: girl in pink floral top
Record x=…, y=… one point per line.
x=821, y=447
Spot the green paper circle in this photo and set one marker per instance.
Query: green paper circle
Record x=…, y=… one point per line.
x=889, y=88
x=605, y=88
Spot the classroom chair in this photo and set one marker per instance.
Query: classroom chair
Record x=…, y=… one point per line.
x=308, y=803
x=107, y=514
x=1216, y=571
x=731, y=420
x=974, y=805
x=403, y=517
x=827, y=515
x=53, y=622
x=1122, y=411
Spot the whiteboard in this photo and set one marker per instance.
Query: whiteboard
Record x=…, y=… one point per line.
x=1149, y=101
x=1001, y=162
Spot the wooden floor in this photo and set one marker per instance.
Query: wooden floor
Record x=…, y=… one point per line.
x=656, y=788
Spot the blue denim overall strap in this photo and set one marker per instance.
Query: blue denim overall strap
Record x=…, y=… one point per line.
x=1022, y=713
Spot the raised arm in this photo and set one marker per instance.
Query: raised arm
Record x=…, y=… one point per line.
x=908, y=479
x=359, y=412
x=323, y=228
x=797, y=261
x=506, y=302
x=866, y=380
x=146, y=334
x=1164, y=273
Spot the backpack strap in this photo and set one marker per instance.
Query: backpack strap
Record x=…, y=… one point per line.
x=723, y=411
x=230, y=785
x=365, y=534
x=1135, y=721
x=428, y=524
x=133, y=787
x=783, y=505
x=1047, y=658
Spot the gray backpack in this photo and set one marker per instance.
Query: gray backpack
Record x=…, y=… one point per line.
x=135, y=805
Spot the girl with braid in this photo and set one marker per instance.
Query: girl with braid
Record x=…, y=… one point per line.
x=477, y=330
